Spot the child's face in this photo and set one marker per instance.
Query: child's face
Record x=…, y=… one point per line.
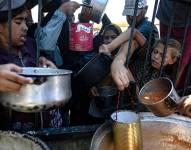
x=109, y=36
x=19, y=30
x=157, y=54
x=138, y=18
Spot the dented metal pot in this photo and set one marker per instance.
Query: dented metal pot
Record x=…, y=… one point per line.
x=51, y=88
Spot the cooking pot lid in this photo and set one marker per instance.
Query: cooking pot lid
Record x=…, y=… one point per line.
x=35, y=71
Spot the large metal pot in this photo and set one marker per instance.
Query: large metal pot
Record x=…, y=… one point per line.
x=97, y=11
x=159, y=133
x=15, y=141
x=51, y=88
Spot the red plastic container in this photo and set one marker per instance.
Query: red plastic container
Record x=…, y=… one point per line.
x=81, y=37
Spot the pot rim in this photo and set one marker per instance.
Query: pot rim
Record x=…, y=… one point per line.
x=135, y=117
x=169, y=93
x=40, y=71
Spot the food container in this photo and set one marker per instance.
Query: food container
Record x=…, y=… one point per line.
x=81, y=37
x=160, y=97
x=51, y=88
x=127, y=132
x=159, y=133
x=94, y=71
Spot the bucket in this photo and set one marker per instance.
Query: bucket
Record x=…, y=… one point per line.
x=81, y=37
x=127, y=132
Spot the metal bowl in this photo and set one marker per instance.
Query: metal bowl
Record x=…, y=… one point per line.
x=51, y=88
x=160, y=97
x=159, y=133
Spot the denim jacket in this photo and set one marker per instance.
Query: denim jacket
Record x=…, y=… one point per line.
x=47, y=36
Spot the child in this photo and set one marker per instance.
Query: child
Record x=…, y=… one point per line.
x=109, y=33
x=122, y=75
x=154, y=61
x=20, y=50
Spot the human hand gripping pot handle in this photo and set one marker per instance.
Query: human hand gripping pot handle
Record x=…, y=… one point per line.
x=43, y=62
x=69, y=7
x=10, y=80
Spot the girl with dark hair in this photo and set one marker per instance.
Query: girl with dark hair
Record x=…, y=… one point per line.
x=109, y=33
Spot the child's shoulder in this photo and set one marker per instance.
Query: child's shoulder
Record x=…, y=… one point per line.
x=30, y=46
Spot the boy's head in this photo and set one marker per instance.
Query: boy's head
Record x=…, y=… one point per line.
x=172, y=53
x=129, y=9
x=110, y=32
x=18, y=23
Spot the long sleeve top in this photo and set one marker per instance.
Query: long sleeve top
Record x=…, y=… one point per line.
x=47, y=36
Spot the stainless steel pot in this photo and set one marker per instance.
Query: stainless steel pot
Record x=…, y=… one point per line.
x=97, y=11
x=51, y=88
x=159, y=133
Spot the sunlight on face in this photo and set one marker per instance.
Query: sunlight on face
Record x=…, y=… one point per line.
x=109, y=36
x=157, y=54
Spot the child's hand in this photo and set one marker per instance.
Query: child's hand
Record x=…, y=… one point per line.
x=94, y=91
x=69, y=7
x=86, y=14
x=10, y=80
x=185, y=108
x=43, y=62
x=120, y=75
x=104, y=49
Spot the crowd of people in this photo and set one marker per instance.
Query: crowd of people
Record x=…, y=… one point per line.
x=52, y=39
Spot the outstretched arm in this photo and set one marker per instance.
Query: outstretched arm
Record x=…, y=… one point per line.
x=121, y=39
x=48, y=35
x=121, y=75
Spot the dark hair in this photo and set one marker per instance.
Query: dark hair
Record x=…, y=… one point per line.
x=14, y=12
x=112, y=27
